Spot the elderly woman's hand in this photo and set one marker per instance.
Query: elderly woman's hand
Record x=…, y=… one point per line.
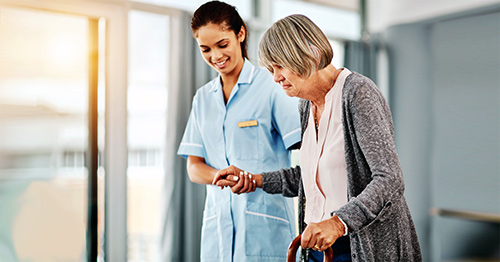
x=320, y=236
x=238, y=180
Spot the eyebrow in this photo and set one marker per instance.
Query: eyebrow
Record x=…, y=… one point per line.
x=224, y=39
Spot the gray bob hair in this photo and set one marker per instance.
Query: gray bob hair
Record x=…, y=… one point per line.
x=296, y=43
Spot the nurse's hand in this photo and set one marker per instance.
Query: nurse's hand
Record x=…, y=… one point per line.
x=227, y=177
x=238, y=180
x=246, y=183
x=320, y=236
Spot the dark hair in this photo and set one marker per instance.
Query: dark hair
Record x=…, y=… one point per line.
x=223, y=14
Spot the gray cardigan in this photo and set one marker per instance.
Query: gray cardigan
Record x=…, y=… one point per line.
x=380, y=223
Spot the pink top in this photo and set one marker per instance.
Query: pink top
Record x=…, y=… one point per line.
x=322, y=160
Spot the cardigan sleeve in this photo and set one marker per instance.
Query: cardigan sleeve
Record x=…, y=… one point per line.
x=287, y=181
x=284, y=181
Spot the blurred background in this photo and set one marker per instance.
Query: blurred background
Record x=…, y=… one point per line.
x=95, y=95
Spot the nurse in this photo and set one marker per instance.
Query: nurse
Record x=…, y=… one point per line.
x=240, y=118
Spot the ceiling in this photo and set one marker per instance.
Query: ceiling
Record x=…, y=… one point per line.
x=351, y=5
x=384, y=13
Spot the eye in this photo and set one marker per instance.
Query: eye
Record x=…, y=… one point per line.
x=205, y=50
x=223, y=46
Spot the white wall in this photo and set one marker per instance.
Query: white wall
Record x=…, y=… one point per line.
x=437, y=112
x=385, y=13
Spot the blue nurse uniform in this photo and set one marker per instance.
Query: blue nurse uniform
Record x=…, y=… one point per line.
x=253, y=131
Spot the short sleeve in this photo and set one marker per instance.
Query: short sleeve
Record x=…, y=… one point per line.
x=192, y=143
x=286, y=117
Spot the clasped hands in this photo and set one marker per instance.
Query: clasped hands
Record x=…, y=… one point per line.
x=238, y=180
x=318, y=236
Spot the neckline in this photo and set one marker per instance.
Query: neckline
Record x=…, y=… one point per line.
x=334, y=82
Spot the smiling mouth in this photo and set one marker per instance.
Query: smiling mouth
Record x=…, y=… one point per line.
x=221, y=64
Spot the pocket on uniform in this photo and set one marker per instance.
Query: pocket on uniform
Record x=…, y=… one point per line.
x=268, y=231
x=209, y=239
x=247, y=147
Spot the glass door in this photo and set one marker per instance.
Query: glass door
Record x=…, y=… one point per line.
x=45, y=73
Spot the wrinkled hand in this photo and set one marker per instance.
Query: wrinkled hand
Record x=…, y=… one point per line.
x=320, y=236
x=238, y=180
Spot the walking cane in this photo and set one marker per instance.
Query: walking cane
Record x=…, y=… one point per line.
x=292, y=251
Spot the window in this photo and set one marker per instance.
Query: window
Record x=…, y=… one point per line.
x=44, y=81
x=147, y=104
x=333, y=22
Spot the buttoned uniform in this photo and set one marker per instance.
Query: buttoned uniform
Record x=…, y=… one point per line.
x=256, y=226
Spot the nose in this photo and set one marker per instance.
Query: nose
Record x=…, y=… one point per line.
x=216, y=54
x=277, y=77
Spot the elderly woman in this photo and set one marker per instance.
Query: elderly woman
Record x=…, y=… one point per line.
x=349, y=168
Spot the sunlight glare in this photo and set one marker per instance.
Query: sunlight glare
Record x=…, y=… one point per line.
x=63, y=50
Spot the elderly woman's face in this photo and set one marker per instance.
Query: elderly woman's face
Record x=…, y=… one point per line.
x=291, y=83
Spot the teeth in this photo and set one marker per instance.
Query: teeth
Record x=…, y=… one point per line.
x=220, y=63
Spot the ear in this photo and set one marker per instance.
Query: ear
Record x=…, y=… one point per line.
x=242, y=34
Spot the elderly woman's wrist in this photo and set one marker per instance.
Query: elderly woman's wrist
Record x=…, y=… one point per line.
x=258, y=180
x=344, y=230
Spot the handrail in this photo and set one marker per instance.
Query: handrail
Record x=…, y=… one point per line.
x=478, y=216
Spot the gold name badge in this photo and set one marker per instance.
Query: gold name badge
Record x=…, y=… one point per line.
x=247, y=123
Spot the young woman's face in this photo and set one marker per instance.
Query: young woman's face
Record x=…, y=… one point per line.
x=221, y=48
x=291, y=83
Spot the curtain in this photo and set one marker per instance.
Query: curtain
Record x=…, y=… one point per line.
x=184, y=200
x=362, y=58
